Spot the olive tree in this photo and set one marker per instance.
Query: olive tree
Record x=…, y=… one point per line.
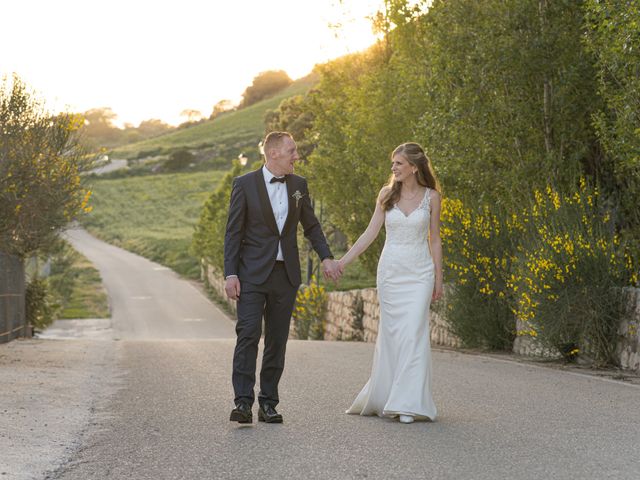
x=40, y=164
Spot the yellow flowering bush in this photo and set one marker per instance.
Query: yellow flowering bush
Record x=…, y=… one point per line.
x=567, y=284
x=478, y=246
x=309, y=311
x=557, y=265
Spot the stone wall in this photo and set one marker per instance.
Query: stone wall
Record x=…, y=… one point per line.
x=342, y=322
x=628, y=347
x=354, y=315
x=216, y=281
x=12, y=308
x=629, y=343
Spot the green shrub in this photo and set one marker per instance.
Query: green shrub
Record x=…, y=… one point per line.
x=40, y=307
x=178, y=160
x=568, y=284
x=478, y=252
x=309, y=311
x=208, y=238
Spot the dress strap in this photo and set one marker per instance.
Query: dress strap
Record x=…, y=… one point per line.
x=426, y=200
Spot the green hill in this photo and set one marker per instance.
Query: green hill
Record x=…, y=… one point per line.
x=232, y=131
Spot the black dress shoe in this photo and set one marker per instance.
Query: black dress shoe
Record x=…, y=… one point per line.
x=268, y=414
x=241, y=414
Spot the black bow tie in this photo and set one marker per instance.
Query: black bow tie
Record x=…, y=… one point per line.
x=278, y=179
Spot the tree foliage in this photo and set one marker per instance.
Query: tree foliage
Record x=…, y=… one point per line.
x=40, y=164
x=613, y=37
x=221, y=107
x=294, y=115
x=208, y=237
x=502, y=95
x=265, y=85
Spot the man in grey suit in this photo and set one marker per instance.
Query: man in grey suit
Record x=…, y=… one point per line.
x=262, y=269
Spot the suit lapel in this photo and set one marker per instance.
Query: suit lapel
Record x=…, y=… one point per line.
x=265, y=203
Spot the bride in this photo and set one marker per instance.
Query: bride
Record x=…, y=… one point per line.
x=409, y=277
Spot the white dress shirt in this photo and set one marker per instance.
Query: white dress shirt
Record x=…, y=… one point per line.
x=277, y=192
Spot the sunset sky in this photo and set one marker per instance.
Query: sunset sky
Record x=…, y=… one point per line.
x=153, y=59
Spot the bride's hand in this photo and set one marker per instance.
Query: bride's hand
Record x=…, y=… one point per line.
x=341, y=266
x=437, y=292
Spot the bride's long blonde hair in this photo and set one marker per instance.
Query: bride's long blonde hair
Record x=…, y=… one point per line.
x=414, y=154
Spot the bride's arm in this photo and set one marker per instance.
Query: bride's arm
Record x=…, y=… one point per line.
x=436, y=242
x=369, y=235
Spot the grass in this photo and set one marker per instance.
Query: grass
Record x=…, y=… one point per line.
x=240, y=128
x=77, y=286
x=153, y=216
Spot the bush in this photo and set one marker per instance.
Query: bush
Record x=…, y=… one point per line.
x=478, y=249
x=208, y=238
x=568, y=282
x=40, y=165
x=309, y=311
x=179, y=160
x=149, y=153
x=40, y=308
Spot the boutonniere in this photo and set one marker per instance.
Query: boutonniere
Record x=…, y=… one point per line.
x=297, y=195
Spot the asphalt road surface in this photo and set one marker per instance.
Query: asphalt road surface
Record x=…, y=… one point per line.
x=168, y=416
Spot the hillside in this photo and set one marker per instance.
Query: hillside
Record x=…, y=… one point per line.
x=234, y=130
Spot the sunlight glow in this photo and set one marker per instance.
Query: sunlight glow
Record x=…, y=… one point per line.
x=154, y=59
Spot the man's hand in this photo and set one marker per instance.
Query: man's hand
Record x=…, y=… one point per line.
x=232, y=288
x=331, y=270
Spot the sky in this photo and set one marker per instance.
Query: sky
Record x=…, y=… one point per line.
x=153, y=59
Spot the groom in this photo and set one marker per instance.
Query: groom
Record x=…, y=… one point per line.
x=262, y=269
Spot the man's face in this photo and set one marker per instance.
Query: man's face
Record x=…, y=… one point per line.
x=283, y=157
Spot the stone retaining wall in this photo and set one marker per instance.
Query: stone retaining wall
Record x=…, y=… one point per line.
x=216, y=281
x=346, y=320
x=628, y=348
x=629, y=343
x=342, y=322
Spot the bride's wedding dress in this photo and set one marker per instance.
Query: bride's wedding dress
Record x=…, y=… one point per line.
x=400, y=382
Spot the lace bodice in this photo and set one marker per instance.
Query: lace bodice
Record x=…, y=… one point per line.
x=409, y=230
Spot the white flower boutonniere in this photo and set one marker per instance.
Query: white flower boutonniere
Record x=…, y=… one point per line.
x=297, y=195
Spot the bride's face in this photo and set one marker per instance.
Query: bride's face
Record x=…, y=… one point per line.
x=401, y=168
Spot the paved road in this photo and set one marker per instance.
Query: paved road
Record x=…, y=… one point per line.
x=149, y=301
x=112, y=166
x=499, y=420
x=168, y=418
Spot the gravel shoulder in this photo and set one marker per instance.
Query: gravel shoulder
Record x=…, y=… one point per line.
x=50, y=389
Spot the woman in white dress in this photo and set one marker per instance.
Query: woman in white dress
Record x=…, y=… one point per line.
x=409, y=277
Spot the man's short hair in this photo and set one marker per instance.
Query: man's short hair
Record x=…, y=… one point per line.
x=273, y=140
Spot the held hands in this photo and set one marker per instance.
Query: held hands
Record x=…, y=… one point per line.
x=232, y=288
x=331, y=269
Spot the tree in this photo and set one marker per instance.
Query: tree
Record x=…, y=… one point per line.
x=613, y=37
x=264, y=85
x=179, y=160
x=208, y=237
x=99, y=130
x=221, y=107
x=191, y=115
x=294, y=115
x=40, y=164
x=152, y=128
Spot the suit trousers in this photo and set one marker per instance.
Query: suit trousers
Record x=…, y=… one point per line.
x=273, y=299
